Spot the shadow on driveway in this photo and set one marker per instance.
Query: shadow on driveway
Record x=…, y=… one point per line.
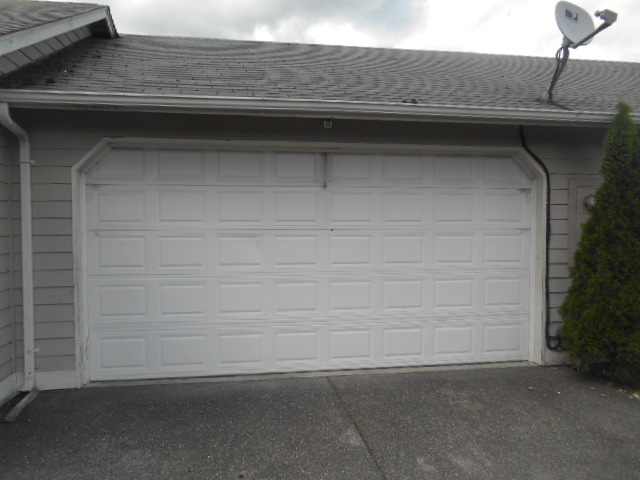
x=496, y=423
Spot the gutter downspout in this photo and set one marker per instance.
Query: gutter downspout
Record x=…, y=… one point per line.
x=29, y=385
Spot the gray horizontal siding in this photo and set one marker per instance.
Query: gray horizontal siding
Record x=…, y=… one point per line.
x=568, y=153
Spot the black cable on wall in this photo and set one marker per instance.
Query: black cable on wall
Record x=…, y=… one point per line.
x=553, y=342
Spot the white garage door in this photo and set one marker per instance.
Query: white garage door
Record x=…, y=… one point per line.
x=213, y=263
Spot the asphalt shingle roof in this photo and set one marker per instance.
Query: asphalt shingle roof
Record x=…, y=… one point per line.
x=228, y=68
x=16, y=15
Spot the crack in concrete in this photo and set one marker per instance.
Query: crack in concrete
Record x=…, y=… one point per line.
x=359, y=429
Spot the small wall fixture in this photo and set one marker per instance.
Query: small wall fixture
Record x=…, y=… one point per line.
x=590, y=201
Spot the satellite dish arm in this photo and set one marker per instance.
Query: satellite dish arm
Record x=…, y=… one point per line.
x=609, y=18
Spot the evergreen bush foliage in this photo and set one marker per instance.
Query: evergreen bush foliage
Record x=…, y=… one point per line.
x=602, y=309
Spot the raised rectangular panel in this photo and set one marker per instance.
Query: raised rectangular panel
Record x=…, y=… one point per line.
x=351, y=295
x=296, y=346
x=407, y=168
x=502, y=171
x=402, y=342
x=503, y=292
x=296, y=250
x=296, y=297
x=240, y=297
x=297, y=207
x=453, y=248
x=183, y=299
x=296, y=166
x=240, y=348
x=240, y=207
x=181, y=165
x=352, y=250
x=350, y=344
x=350, y=167
x=130, y=352
x=454, y=169
x=183, y=350
x=240, y=250
x=453, y=340
x=185, y=206
x=402, y=249
x=122, y=300
x=182, y=252
x=454, y=207
x=121, y=164
x=503, y=248
x=502, y=338
x=351, y=207
x=120, y=207
x=240, y=165
x=402, y=207
x=403, y=294
x=454, y=293
x=503, y=207
x=121, y=252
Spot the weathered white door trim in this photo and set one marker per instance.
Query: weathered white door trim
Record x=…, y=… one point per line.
x=538, y=214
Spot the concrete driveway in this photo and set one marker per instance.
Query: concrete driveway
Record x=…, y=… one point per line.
x=518, y=422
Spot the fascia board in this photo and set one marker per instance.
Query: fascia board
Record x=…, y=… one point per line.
x=31, y=36
x=301, y=108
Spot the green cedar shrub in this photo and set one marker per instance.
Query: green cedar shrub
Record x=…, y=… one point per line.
x=601, y=312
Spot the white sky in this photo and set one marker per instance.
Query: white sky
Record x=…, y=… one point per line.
x=521, y=27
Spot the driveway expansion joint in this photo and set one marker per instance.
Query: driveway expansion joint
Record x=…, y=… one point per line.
x=359, y=429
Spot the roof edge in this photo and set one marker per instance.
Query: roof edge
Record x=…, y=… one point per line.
x=301, y=108
x=30, y=36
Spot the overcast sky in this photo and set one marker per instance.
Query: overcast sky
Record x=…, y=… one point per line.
x=522, y=27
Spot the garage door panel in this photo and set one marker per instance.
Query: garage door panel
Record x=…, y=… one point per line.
x=351, y=208
x=117, y=252
x=234, y=262
x=184, y=166
x=402, y=208
x=122, y=165
x=182, y=253
x=504, y=172
x=409, y=170
x=298, y=168
x=241, y=167
x=298, y=207
x=458, y=171
x=113, y=207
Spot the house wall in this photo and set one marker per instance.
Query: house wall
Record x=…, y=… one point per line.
x=61, y=139
x=7, y=344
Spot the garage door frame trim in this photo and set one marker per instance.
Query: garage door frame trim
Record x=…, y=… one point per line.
x=102, y=148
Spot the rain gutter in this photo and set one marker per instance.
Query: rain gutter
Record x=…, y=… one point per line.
x=29, y=384
x=301, y=108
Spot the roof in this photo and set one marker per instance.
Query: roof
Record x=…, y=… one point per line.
x=17, y=15
x=184, y=70
x=26, y=23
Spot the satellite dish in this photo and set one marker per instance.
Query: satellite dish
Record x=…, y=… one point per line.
x=577, y=29
x=574, y=22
